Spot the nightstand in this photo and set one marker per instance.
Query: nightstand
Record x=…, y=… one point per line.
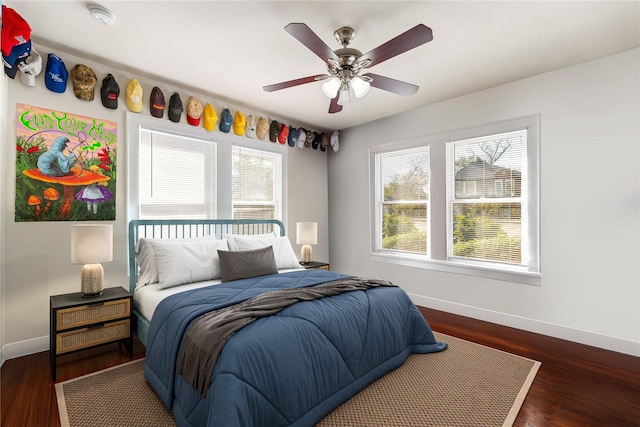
x=315, y=265
x=78, y=323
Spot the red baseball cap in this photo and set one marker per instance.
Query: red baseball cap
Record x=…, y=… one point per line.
x=284, y=134
x=15, y=30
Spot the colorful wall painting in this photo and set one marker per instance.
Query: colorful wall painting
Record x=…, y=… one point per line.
x=65, y=166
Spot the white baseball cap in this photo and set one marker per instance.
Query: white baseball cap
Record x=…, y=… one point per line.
x=250, y=127
x=302, y=137
x=31, y=68
x=335, y=144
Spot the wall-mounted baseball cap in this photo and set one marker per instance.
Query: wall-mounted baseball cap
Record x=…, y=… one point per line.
x=226, y=121
x=316, y=140
x=239, y=122
x=15, y=30
x=310, y=136
x=274, y=128
x=283, y=134
x=16, y=58
x=175, y=108
x=324, y=142
x=32, y=67
x=302, y=137
x=194, y=111
x=55, y=78
x=84, y=81
x=250, y=127
x=263, y=128
x=157, y=102
x=210, y=117
x=109, y=92
x=134, y=96
x=335, y=143
x=293, y=136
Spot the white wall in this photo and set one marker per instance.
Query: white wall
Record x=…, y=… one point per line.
x=36, y=255
x=590, y=197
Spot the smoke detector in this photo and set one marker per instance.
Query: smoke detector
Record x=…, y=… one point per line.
x=102, y=14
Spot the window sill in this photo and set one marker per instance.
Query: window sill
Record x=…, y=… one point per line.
x=408, y=260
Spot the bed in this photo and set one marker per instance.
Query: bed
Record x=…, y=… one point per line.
x=239, y=334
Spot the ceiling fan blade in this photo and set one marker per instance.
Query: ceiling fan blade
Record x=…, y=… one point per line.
x=334, y=107
x=296, y=82
x=416, y=36
x=392, y=85
x=308, y=38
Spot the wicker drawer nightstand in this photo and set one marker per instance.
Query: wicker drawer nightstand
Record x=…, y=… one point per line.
x=315, y=265
x=79, y=323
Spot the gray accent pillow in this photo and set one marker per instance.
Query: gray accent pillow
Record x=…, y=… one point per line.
x=244, y=264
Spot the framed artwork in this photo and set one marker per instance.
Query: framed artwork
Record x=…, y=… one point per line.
x=65, y=166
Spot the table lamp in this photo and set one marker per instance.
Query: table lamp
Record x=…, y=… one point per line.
x=91, y=244
x=306, y=235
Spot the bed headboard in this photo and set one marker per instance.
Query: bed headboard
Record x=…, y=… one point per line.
x=188, y=228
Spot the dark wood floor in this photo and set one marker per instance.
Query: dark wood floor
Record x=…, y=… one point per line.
x=576, y=385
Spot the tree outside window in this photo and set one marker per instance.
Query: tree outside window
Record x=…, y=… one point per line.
x=487, y=222
x=405, y=176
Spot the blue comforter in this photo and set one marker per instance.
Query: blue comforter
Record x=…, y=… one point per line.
x=292, y=368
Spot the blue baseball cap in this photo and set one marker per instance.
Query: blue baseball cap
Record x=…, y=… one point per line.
x=225, y=121
x=55, y=78
x=293, y=136
x=18, y=54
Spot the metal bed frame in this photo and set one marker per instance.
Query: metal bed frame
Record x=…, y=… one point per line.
x=184, y=229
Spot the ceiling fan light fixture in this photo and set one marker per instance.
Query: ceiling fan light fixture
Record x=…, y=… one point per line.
x=331, y=87
x=360, y=86
x=347, y=95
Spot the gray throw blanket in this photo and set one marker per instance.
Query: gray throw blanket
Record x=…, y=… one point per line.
x=204, y=340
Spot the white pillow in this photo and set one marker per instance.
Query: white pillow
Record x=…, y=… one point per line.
x=146, y=259
x=282, y=250
x=232, y=242
x=188, y=261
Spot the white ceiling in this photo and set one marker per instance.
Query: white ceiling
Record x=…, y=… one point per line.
x=231, y=49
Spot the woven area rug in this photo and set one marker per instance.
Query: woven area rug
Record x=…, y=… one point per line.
x=465, y=385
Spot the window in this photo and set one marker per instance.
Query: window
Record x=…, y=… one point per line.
x=180, y=171
x=486, y=224
x=462, y=201
x=177, y=176
x=256, y=184
x=403, y=199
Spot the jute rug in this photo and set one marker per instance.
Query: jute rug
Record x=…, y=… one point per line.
x=465, y=385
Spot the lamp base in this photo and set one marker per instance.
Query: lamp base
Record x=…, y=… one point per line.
x=91, y=280
x=305, y=254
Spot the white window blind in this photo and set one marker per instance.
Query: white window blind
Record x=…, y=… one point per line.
x=486, y=196
x=177, y=176
x=403, y=195
x=256, y=184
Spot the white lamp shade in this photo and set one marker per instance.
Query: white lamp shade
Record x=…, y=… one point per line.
x=360, y=86
x=346, y=95
x=307, y=233
x=91, y=243
x=331, y=87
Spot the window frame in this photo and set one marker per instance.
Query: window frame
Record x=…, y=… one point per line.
x=381, y=203
x=437, y=218
x=224, y=147
x=277, y=179
x=208, y=150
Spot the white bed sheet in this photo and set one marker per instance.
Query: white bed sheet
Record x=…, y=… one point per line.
x=146, y=298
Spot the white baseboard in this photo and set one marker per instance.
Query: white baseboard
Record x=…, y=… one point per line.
x=557, y=331
x=36, y=345
x=24, y=348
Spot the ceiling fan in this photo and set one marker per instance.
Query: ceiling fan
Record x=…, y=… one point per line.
x=344, y=83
